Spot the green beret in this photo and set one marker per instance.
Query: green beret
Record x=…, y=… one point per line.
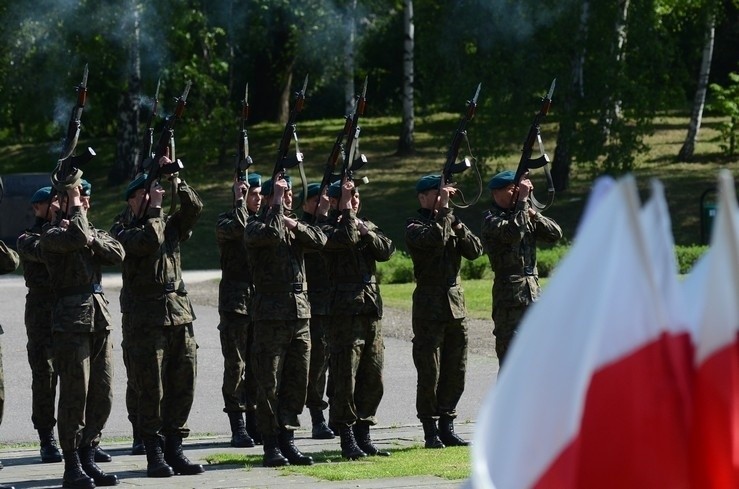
x=86, y=187
x=502, y=179
x=135, y=184
x=255, y=180
x=428, y=182
x=313, y=189
x=41, y=195
x=334, y=190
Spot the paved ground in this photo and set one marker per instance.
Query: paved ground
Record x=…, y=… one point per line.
x=397, y=422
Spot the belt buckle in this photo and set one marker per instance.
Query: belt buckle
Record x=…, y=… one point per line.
x=451, y=282
x=528, y=270
x=97, y=289
x=169, y=287
x=298, y=287
x=367, y=278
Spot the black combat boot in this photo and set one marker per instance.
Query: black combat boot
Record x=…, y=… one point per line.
x=364, y=442
x=101, y=455
x=87, y=460
x=431, y=434
x=155, y=464
x=137, y=447
x=320, y=430
x=250, y=421
x=176, y=459
x=447, y=434
x=74, y=476
x=286, y=443
x=349, y=448
x=239, y=437
x=273, y=457
x=49, y=449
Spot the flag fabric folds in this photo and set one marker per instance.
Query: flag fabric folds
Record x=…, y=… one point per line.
x=621, y=376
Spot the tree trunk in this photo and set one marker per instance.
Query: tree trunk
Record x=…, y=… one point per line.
x=699, y=100
x=613, y=103
x=406, y=144
x=127, y=133
x=562, y=152
x=351, y=33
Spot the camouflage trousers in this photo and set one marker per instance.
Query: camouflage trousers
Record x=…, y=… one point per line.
x=281, y=355
x=506, y=321
x=356, y=359
x=440, y=357
x=85, y=365
x=132, y=400
x=317, y=373
x=239, y=384
x=165, y=365
x=41, y=360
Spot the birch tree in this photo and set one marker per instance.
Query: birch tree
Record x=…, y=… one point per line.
x=406, y=144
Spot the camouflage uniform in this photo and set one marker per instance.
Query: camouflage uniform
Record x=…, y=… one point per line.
x=439, y=326
x=161, y=343
x=235, y=327
x=355, y=330
x=281, y=311
x=8, y=263
x=80, y=326
x=38, y=328
x=509, y=238
x=319, y=295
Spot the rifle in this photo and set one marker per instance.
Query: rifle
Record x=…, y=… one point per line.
x=148, y=143
x=526, y=163
x=451, y=167
x=68, y=163
x=243, y=160
x=350, y=131
x=284, y=163
x=166, y=144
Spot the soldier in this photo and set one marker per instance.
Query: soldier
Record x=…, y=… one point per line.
x=437, y=240
x=161, y=345
x=74, y=252
x=510, y=230
x=38, y=325
x=276, y=241
x=235, y=327
x=319, y=295
x=355, y=332
x=8, y=263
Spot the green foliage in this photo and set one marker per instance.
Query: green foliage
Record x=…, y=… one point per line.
x=548, y=258
x=726, y=102
x=475, y=269
x=397, y=270
x=687, y=256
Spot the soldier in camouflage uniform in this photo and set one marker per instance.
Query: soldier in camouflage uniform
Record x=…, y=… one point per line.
x=319, y=295
x=276, y=241
x=355, y=332
x=510, y=231
x=235, y=327
x=39, y=301
x=74, y=252
x=8, y=263
x=161, y=344
x=437, y=240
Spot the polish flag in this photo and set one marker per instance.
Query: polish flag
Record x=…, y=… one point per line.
x=712, y=290
x=592, y=393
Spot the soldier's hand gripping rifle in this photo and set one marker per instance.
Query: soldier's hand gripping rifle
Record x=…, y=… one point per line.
x=284, y=162
x=347, y=151
x=67, y=169
x=163, y=147
x=243, y=160
x=451, y=166
x=526, y=163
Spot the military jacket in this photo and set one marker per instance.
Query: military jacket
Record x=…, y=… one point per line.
x=152, y=270
x=235, y=289
x=8, y=263
x=319, y=286
x=34, y=268
x=509, y=238
x=436, y=249
x=74, y=273
x=352, y=264
x=280, y=284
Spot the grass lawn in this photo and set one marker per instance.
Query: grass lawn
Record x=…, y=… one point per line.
x=452, y=463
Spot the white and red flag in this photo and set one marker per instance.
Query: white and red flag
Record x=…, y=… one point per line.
x=594, y=390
